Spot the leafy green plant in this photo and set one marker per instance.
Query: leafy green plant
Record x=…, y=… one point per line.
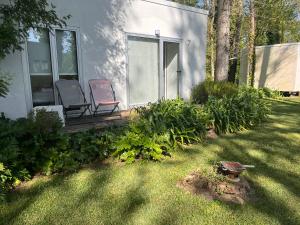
x=183, y=121
x=161, y=127
x=202, y=91
x=91, y=145
x=9, y=178
x=133, y=146
x=40, y=140
x=60, y=161
x=5, y=181
x=12, y=171
x=239, y=112
x=18, y=16
x=269, y=93
x=38, y=145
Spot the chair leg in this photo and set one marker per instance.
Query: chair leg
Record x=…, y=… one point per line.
x=86, y=108
x=116, y=106
x=90, y=111
x=96, y=109
x=65, y=113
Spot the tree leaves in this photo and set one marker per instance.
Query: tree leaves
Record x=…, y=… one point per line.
x=17, y=16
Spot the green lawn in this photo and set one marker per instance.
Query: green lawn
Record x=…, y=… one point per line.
x=146, y=192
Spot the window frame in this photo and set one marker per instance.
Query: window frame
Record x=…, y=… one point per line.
x=54, y=64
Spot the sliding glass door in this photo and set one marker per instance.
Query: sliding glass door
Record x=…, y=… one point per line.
x=143, y=70
x=171, y=69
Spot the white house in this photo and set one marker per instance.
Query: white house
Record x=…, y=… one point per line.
x=149, y=49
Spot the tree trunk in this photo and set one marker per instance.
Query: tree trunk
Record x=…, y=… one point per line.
x=236, y=42
x=223, y=40
x=251, y=47
x=211, y=36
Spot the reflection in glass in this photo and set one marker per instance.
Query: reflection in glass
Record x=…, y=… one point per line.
x=40, y=69
x=66, y=54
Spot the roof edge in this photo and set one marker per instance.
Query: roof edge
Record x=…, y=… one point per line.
x=176, y=5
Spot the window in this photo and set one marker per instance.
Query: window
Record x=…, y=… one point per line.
x=143, y=59
x=43, y=72
x=66, y=54
x=40, y=67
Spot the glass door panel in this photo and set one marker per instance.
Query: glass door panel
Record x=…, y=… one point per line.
x=40, y=67
x=143, y=66
x=67, y=54
x=171, y=69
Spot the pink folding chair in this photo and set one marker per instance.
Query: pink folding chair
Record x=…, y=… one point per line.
x=103, y=94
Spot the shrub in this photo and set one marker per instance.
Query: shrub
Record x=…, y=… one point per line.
x=134, y=146
x=12, y=171
x=30, y=146
x=26, y=147
x=269, y=93
x=91, y=145
x=160, y=127
x=202, y=91
x=244, y=110
x=6, y=181
x=183, y=121
x=40, y=140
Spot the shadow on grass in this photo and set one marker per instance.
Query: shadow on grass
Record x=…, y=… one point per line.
x=27, y=196
x=267, y=202
x=122, y=206
x=276, y=144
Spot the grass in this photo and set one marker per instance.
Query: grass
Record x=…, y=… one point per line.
x=146, y=192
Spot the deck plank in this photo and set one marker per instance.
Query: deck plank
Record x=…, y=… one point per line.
x=75, y=125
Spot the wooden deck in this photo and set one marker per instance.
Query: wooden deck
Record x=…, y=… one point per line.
x=74, y=125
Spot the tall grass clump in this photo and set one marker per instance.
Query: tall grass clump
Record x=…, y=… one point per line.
x=269, y=93
x=238, y=112
x=185, y=122
x=210, y=88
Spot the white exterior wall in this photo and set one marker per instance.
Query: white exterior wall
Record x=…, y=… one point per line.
x=103, y=26
x=277, y=67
